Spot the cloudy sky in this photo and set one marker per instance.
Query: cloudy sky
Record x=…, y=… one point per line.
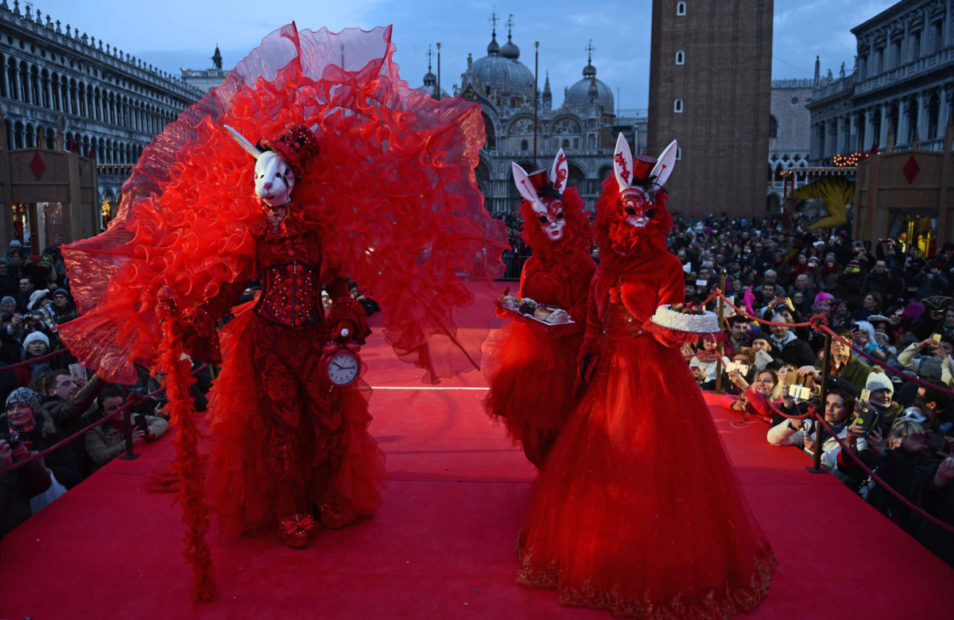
x=172, y=34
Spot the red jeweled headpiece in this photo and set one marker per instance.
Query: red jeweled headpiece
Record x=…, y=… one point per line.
x=295, y=145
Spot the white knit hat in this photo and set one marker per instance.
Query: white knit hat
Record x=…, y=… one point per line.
x=877, y=380
x=36, y=296
x=34, y=336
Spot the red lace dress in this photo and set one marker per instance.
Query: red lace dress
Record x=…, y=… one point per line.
x=637, y=510
x=532, y=370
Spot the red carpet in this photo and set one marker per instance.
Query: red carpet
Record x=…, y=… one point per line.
x=443, y=545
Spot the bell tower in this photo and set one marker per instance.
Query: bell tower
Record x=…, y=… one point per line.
x=710, y=86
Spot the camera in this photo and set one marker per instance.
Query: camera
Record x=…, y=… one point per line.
x=868, y=416
x=13, y=438
x=139, y=421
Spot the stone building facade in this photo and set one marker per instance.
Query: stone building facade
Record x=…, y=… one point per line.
x=103, y=103
x=789, y=135
x=710, y=89
x=584, y=125
x=901, y=91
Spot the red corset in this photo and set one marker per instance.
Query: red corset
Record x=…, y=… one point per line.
x=291, y=295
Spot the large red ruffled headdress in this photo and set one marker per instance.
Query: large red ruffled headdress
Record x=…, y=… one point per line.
x=631, y=213
x=393, y=188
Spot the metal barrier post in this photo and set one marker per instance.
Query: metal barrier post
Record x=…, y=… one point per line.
x=816, y=467
x=127, y=433
x=721, y=346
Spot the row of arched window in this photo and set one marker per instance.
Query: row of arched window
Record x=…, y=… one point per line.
x=104, y=150
x=31, y=84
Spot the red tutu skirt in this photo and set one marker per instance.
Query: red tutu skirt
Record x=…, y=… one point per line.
x=531, y=374
x=637, y=510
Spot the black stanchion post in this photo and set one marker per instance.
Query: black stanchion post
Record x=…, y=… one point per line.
x=720, y=347
x=127, y=433
x=816, y=467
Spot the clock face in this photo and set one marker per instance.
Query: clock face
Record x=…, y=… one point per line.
x=343, y=367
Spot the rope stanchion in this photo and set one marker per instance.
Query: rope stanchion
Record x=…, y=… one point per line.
x=877, y=479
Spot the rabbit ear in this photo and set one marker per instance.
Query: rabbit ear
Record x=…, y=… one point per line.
x=559, y=172
x=623, y=163
x=245, y=144
x=522, y=180
x=664, y=165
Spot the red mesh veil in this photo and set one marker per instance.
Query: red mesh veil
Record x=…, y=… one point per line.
x=393, y=189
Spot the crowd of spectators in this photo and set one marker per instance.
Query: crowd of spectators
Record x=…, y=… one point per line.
x=893, y=304
x=47, y=395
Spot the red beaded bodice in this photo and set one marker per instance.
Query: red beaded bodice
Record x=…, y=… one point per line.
x=289, y=267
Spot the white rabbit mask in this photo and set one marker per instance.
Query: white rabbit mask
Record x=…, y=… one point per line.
x=549, y=206
x=274, y=177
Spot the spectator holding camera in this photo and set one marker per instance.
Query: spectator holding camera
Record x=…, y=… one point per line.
x=930, y=358
x=19, y=486
x=843, y=364
x=107, y=441
x=69, y=403
x=839, y=405
x=924, y=475
x=881, y=398
x=26, y=422
x=759, y=397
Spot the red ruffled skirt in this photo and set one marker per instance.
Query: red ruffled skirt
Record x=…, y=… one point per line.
x=531, y=374
x=241, y=482
x=637, y=510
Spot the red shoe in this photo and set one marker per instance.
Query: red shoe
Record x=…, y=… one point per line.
x=294, y=530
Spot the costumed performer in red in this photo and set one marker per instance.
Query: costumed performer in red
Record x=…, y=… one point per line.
x=637, y=510
x=355, y=174
x=532, y=370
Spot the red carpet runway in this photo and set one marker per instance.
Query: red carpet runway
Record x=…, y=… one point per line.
x=443, y=545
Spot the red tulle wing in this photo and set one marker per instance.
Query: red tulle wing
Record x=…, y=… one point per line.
x=393, y=189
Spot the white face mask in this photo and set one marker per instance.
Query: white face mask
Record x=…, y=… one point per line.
x=274, y=179
x=553, y=222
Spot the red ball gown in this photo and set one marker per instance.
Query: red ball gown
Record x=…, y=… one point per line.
x=637, y=510
x=532, y=369
x=390, y=200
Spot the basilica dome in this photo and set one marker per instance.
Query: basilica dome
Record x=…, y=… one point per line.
x=589, y=91
x=501, y=72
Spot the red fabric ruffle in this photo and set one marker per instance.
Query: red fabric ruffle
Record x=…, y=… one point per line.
x=392, y=191
x=532, y=375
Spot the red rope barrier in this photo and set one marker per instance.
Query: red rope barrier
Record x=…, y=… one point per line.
x=880, y=482
x=740, y=311
x=82, y=431
x=900, y=373
x=33, y=360
x=819, y=323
